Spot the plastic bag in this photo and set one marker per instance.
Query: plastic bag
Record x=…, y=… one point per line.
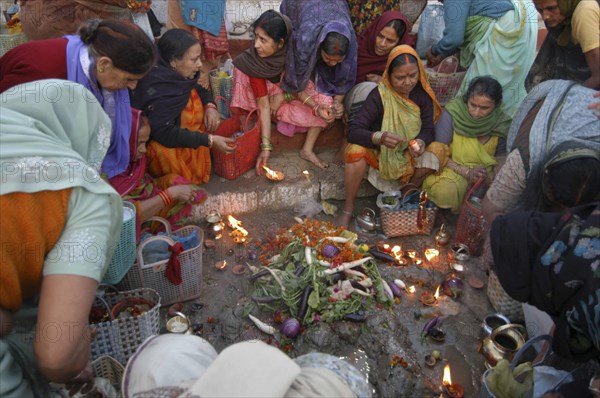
x=431, y=28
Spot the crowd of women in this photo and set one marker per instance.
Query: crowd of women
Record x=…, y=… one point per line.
x=119, y=116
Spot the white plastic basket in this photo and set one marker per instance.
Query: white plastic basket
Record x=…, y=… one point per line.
x=124, y=255
x=153, y=275
x=120, y=338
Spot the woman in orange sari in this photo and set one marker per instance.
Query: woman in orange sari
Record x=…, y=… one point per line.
x=181, y=112
x=401, y=111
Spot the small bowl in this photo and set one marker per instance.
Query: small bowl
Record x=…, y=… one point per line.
x=430, y=360
x=274, y=175
x=459, y=252
x=437, y=335
x=493, y=321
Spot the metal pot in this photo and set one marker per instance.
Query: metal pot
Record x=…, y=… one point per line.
x=493, y=321
x=503, y=343
x=179, y=324
x=367, y=220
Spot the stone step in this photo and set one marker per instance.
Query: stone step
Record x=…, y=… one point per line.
x=249, y=192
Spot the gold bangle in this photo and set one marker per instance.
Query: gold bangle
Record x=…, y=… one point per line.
x=306, y=99
x=266, y=147
x=210, y=141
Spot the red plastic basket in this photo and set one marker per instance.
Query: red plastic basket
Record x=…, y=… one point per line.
x=243, y=158
x=471, y=227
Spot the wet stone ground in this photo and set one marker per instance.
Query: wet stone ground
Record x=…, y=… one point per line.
x=387, y=346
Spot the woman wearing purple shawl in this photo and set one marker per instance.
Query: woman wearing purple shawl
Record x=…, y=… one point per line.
x=320, y=69
x=107, y=57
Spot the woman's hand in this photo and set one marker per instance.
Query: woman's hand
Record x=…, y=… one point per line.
x=596, y=105
x=390, y=140
x=262, y=161
x=338, y=109
x=183, y=193
x=415, y=153
x=326, y=113
x=373, y=77
x=476, y=173
x=83, y=382
x=224, y=144
x=212, y=119
x=275, y=102
x=433, y=60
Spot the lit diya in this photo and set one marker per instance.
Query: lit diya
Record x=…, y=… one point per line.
x=273, y=175
x=430, y=299
x=453, y=390
x=221, y=265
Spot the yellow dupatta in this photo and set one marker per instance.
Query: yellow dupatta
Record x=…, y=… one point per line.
x=402, y=117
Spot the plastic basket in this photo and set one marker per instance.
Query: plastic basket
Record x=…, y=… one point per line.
x=153, y=275
x=110, y=369
x=445, y=79
x=502, y=302
x=402, y=220
x=471, y=227
x=124, y=256
x=221, y=86
x=120, y=338
x=9, y=41
x=243, y=158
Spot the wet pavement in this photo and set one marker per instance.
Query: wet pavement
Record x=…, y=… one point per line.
x=387, y=346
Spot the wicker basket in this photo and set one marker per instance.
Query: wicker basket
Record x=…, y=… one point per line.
x=153, y=275
x=120, y=338
x=124, y=256
x=502, y=302
x=221, y=86
x=445, y=79
x=9, y=41
x=110, y=369
x=403, y=219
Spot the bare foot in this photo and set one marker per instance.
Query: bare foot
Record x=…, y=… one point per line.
x=343, y=220
x=314, y=159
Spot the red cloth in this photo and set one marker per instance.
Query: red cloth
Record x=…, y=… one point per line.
x=259, y=86
x=368, y=61
x=173, y=271
x=35, y=60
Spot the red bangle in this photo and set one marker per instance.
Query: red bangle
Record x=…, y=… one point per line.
x=315, y=110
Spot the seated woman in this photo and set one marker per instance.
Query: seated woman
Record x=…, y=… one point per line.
x=107, y=57
x=170, y=196
x=549, y=258
x=257, y=73
x=320, y=69
x=375, y=43
x=571, y=49
x=180, y=111
x=495, y=38
x=403, y=108
x=58, y=233
x=553, y=112
x=475, y=127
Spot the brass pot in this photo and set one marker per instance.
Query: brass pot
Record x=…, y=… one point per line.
x=503, y=343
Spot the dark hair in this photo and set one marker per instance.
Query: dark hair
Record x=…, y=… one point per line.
x=399, y=27
x=272, y=23
x=175, y=43
x=127, y=46
x=485, y=86
x=335, y=44
x=568, y=183
x=402, y=59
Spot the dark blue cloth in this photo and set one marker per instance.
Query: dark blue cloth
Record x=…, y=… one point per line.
x=313, y=20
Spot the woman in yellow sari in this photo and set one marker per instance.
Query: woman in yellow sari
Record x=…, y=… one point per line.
x=181, y=112
x=402, y=111
x=475, y=127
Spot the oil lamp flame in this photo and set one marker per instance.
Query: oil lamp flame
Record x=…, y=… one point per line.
x=411, y=253
x=437, y=293
x=273, y=175
x=397, y=251
x=431, y=254
x=306, y=174
x=447, y=379
x=412, y=289
x=239, y=233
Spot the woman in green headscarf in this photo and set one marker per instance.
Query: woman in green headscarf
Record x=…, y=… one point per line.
x=475, y=127
x=60, y=224
x=571, y=50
